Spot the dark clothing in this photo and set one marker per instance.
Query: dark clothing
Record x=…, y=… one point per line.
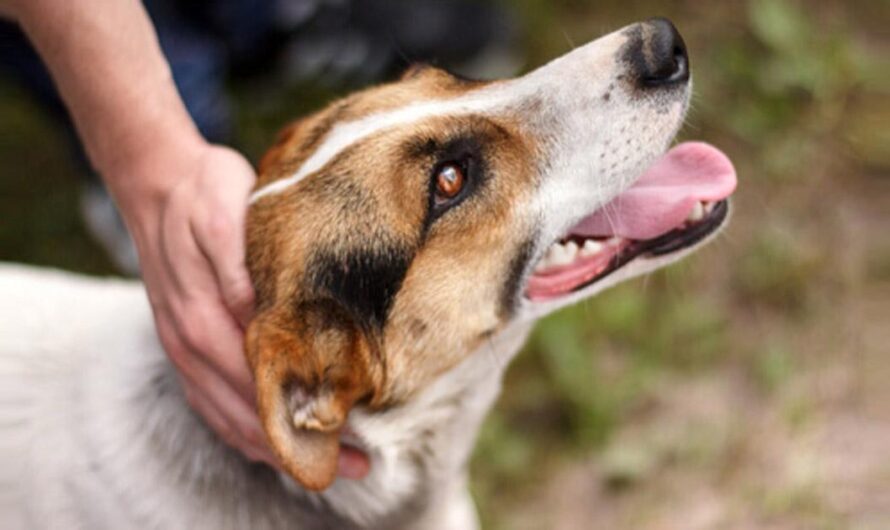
x=201, y=40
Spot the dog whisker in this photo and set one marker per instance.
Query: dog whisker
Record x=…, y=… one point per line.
x=569, y=40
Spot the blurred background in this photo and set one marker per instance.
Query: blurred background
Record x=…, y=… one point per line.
x=745, y=388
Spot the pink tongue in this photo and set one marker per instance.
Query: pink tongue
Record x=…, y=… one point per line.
x=662, y=198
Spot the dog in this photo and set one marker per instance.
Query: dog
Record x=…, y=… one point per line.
x=402, y=242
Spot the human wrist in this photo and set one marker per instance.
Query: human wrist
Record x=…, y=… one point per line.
x=142, y=181
x=152, y=160
x=155, y=125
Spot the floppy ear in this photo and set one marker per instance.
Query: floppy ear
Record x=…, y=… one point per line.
x=311, y=365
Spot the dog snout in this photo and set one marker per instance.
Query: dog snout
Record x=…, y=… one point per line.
x=659, y=57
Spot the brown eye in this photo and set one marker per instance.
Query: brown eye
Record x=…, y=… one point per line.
x=449, y=181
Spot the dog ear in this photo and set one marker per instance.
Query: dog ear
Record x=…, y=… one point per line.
x=280, y=149
x=311, y=365
x=415, y=70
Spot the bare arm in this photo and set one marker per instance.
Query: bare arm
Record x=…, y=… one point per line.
x=108, y=66
x=182, y=199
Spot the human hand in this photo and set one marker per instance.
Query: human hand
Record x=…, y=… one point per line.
x=183, y=200
x=188, y=227
x=187, y=220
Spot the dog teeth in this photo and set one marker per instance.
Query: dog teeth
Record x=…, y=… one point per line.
x=560, y=255
x=571, y=249
x=591, y=247
x=543, y=265
x=697, y=213
x=708, y=207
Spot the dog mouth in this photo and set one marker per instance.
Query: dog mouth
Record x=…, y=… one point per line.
x=678, y=202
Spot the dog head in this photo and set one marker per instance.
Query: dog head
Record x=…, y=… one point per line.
x=394, y=232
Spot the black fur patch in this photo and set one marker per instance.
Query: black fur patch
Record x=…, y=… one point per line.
x=512, y=289
x=364, y=282
x=422, y=148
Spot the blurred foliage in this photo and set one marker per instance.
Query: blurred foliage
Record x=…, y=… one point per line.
x=778, y=271
x=773, y=366
x=798, y=76
x=795, y=92
x=39, y=192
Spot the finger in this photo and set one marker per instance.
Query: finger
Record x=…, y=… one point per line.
x=221, y=240
x=217, y=422
x=193, y=377
x=206, y=380
x=212, y=335
x=183, y=262
x=227, y=413
x=219, y=228
x=199, y=314
x=213, y=418
x=230, y=434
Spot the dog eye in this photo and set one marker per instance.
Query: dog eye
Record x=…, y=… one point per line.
x=450, y=180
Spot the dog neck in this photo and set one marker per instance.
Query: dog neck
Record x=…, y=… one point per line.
x=418, y=451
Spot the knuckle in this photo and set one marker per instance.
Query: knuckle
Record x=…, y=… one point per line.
x=194, y=330
x=240, y=292
x=179, y=355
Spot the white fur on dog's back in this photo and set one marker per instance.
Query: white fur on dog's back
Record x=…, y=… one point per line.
x=48, y=324
x=95, y=432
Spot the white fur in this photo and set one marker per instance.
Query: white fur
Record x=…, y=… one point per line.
x=570, y=115
x=345, y=134
x=95, y=433
x=73, y=448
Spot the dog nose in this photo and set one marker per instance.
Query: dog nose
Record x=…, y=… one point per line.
x=663, y=60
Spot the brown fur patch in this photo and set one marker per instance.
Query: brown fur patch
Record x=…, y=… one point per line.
x=300, y=139
x=368, y=289
x=315, y=351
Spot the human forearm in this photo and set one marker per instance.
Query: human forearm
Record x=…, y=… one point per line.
x=108, y=66
x=183, y=200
